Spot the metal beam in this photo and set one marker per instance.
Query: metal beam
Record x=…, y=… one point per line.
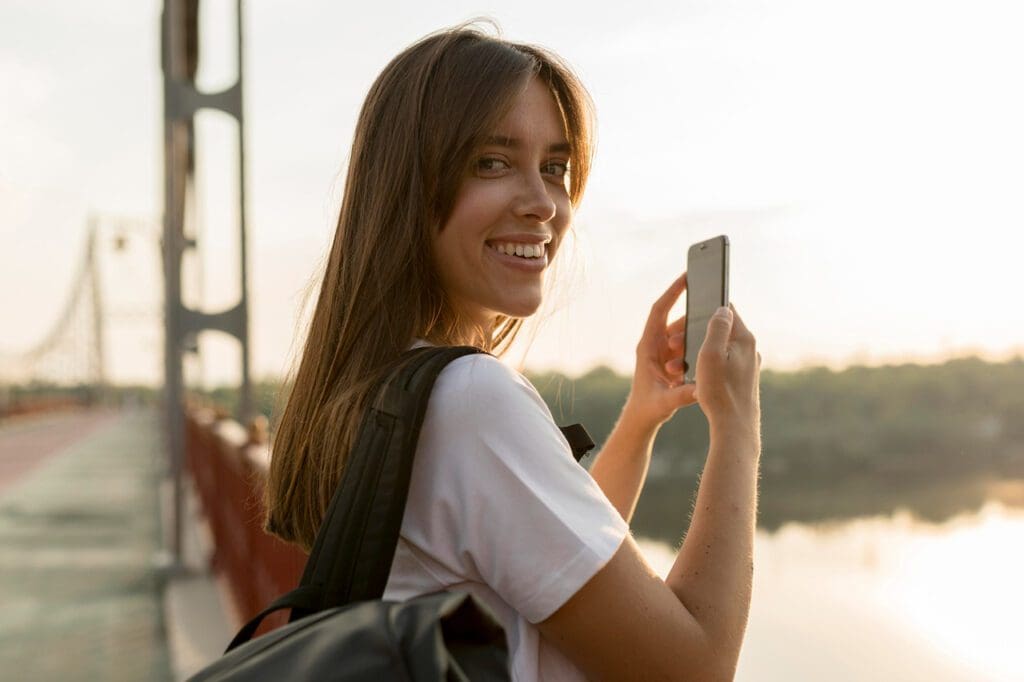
x=182, y=100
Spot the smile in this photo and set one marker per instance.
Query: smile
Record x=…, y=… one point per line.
x=521, y=263
x=519, y=249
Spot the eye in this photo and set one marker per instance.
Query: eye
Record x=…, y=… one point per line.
x=557, y=168
x=491, y=165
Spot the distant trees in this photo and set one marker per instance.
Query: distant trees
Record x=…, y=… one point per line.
x=865, y=440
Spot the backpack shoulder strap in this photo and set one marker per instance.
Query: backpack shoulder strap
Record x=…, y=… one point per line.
x=352, y=555
x=579, y=440
x=303, y=598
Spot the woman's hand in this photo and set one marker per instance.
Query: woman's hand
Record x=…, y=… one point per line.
x=728, y=371
x=658, y=389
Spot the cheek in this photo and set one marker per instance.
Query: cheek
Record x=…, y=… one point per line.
x=564, y=213
x=561, y=227
x=477, y=205
x=564, y=210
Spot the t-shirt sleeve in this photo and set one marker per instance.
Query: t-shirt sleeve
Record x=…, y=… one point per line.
x=497, y=495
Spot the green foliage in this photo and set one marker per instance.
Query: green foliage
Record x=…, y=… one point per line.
x=866, y=440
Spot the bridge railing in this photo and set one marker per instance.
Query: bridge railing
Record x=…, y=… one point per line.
x=229, y=466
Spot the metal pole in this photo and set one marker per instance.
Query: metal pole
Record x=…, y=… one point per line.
x=245, y=411
x=99, y=362
x=173, y=68
x=181, y=102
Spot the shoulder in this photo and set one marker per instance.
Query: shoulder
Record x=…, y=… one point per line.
x=482, y=410
x=482, y=383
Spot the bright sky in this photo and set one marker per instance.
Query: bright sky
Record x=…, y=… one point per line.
x=865, y=158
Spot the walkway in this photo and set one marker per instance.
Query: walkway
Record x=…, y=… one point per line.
x=79, y=530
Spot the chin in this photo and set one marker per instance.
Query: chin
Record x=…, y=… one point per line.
x=521, y=309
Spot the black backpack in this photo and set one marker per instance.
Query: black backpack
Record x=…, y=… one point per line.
x=339, y=628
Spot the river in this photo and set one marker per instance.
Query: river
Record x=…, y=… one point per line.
x=885, y=598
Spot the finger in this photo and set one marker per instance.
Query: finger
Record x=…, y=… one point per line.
x=737, y=321
x=719, y=328
x=685, y=393
x=676, y=327
x=739, y=328
x=677, y=341
x=659, y=311
x=674, y=366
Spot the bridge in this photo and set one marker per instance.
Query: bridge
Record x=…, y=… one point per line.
x=131, y=541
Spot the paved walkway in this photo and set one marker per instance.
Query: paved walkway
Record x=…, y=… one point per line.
x=81, y=597
x=27, y=442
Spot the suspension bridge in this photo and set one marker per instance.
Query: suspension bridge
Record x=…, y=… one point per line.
x=70, y=354
x=131, y=544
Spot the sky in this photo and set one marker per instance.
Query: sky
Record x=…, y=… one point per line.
x=866, y=160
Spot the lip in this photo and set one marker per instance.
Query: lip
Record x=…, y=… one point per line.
x=532, y=265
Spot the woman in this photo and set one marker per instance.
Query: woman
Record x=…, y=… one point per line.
x=469, y=157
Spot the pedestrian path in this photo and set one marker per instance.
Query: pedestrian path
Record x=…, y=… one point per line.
x=28, y=441
x=81, y=595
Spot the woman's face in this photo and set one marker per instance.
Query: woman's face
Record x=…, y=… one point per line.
x=513, y=195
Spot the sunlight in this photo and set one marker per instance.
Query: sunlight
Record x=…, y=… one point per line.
x=959, y=585
x=884, y=598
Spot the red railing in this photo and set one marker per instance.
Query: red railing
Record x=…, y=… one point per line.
x=229, y=465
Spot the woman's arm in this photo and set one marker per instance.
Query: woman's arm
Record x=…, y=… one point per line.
x=621, y=466
x=627, y=623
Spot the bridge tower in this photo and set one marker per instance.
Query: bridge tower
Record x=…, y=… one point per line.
x=182, y=100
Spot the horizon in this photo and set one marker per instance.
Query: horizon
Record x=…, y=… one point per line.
x=1011, y=358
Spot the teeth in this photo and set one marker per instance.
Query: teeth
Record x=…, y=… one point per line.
x=521, y=250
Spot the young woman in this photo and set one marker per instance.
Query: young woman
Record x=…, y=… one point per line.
x=470, y=154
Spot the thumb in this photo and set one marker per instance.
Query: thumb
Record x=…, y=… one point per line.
x=719, y=328
x=685, y=394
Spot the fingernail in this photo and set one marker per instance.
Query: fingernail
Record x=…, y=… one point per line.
x=725, y=312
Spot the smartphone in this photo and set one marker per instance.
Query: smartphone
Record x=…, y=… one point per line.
x=707, y=289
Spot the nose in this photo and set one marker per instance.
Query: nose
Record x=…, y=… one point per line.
x=533, y=200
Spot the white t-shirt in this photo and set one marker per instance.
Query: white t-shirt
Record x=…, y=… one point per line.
x=498, y=507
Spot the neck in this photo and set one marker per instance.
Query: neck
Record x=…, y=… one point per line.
x=469, y=335
x=479, y=336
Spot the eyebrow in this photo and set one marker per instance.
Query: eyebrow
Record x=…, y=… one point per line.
x=515, y=143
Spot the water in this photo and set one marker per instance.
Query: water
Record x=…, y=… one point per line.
x=885, y=598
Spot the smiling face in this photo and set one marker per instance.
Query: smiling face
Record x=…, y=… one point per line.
x=514, y=193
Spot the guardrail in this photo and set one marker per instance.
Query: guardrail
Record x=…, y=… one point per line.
x=228, y=465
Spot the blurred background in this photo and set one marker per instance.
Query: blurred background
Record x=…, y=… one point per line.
x=864, y=158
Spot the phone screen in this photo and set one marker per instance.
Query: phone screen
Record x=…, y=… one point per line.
x=707, y=289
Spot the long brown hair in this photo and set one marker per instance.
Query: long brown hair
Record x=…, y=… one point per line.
x=423, y=118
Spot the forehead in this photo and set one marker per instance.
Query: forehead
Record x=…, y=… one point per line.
x=534, y=117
